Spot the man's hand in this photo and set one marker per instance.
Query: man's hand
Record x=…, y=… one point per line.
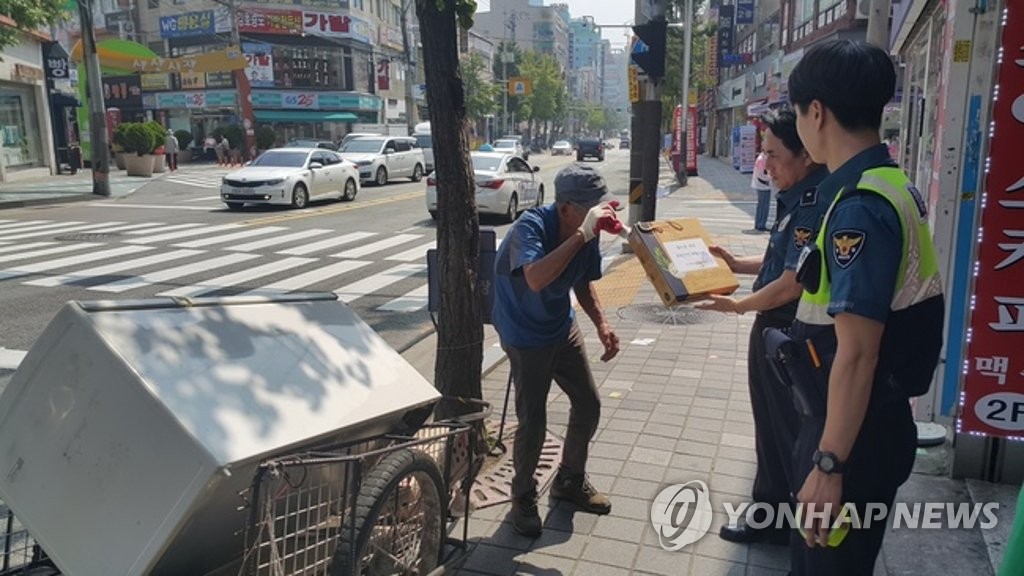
x=820, y=492
x=724, y=254
x=719, y=303
x=589, y=228
x=610, y=341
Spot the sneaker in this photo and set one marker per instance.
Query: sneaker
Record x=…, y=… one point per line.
x=525, y=519
x=578, y=490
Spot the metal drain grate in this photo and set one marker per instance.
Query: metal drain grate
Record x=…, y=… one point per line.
x=494, y=485
x=87, y=237
x=677, y=316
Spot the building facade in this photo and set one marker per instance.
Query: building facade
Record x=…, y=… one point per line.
x=26, y=141
x=530, y=25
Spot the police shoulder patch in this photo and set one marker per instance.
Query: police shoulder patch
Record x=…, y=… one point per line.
x=847, y=245
x=809, y=197
x=802, y=236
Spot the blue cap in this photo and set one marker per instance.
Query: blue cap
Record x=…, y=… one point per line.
x=581, y=185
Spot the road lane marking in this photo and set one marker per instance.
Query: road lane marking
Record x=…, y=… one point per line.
x=376, y=282
x=173, y=273
x=176, y=235
x=21, y=247
x=204, y=199
x=357, y=205
x=413, y=254
x=23, y=224
x=56, y=231
x=46, y=251
x=328, y=243
x=238, y=277
x=70, y=261
x=314, y=276
x=127, y=227
x=410, y=302
x=378, y=246
x=108, y=269
x=108, y=204
x=225, y=238
x=163, y=229
x=277, y=241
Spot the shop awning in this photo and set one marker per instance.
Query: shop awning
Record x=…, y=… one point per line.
x=302, y=116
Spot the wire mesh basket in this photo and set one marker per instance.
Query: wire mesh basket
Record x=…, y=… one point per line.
x=19, y=552
x=329, y=507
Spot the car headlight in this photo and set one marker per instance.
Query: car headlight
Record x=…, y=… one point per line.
x=274, y=182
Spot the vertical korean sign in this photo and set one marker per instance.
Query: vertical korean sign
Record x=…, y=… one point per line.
x=691, y=140
x=992, y=402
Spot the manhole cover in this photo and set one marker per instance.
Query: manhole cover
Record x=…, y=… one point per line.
x=87, y=237
x=678, y=316
x=494, y=485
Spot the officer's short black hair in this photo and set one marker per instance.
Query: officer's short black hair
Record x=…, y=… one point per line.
x=854, y=80
x=782, y=123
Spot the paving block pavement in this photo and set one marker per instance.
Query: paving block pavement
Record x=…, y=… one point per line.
x=675, y=408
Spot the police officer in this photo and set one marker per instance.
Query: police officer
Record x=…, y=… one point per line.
x=872, y=312
x=775, y=294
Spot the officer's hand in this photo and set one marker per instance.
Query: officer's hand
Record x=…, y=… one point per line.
x=820, y=492
x=719, y=303
x=589, y=228
x=610, y=341
x=724, y=254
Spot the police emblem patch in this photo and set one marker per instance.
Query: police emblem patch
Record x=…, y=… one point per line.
x=847, y=245
x=809, y=197
x=801, y=236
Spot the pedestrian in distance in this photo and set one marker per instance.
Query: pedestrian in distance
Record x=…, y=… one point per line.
x=761, y=182
x=222, y=149
x=774, y=299
x=870, y=318
x=171, y=149
x=550, y=251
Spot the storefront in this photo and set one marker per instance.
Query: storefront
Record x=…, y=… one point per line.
x=25, y=137
x=63, y=103
x=198, y=111
x=732, y=113
x=311, y=114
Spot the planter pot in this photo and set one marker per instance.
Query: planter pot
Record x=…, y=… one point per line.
x=159, y=163
x=139, y=165
x=119, y=160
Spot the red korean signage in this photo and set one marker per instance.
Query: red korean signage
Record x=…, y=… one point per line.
x=992, y=402
x=691, y=140
x=258, y=21
x=677, y=124
x=383, y=75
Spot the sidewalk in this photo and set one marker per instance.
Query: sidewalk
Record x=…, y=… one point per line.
x=675, y=408
x=78, y=187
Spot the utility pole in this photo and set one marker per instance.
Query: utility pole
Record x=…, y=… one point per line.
x=97, y=109
x=878, y=23
x=410, y=70
x=687, y=55
x=243, y=104
x=645, y=161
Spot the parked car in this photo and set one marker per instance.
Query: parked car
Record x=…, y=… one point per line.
x=589, y=148
x=623, y=142
x=426, y=143
x=353, y=135
x=381, y=158
x=505, y=185
x=562, y=147
x=291, y=176
x=511, y=146
x=311, y=143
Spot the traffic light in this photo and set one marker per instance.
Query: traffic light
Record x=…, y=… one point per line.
x=649, y=52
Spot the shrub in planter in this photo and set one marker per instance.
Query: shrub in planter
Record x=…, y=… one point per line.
x=159, y=134
x=184, y=139
x=235, y=136
x=265, y=138
x=137, y=138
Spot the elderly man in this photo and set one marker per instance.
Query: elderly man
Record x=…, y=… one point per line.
x=549, y=251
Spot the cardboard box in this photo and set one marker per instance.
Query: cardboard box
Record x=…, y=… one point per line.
x=675, y=255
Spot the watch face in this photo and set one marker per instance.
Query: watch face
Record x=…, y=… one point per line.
x=826, y=463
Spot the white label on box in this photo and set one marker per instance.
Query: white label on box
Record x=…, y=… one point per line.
x=689, y=256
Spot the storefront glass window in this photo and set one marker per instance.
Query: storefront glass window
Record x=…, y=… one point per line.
x=19, y=127
x=308, y=67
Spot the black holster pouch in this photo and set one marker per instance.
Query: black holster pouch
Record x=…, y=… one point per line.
x=794, y=364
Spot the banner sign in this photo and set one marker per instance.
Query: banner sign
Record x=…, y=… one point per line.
x=725, y=33
x=189, y=100
x=744, y=11
x=124, y=92
x=992, y=402
x=691, y=140
x=259, y=64
x=287, y=22
x=187, y=24
x=337, y=26
x=384, y=75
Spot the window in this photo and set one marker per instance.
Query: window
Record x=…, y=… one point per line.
x=402, y=145
x=331, y=159
x=517, y=165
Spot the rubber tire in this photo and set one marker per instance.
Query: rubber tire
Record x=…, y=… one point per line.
x=513, y=209
x=379, y=483
x=347, y=194
x=382, y=174
x=235, y=206
x=433, y=214
x=540, y=196
x=300, y=191
x=600, y=158
x=417, y=173
x=579, y=158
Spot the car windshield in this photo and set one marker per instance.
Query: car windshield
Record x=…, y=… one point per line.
x=301, y=143
x=486, y=163
x=509, y=144
x=281, y=159
x=364, y=145
x=424, y=141
x=562, y=143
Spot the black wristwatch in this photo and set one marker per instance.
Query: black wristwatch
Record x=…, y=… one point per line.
x=827, y=462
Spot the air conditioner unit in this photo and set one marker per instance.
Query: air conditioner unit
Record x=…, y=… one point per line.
x=863, y=9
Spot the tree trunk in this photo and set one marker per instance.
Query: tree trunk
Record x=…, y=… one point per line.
x=459, y=329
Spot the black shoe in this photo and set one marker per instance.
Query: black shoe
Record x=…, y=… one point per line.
x=578, y=490
x=743, y=534
x=525, y=519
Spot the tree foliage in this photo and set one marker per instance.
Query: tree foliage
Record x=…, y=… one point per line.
x=548, y=98
x=28, y=15
x=481, y=95
x=672, y=84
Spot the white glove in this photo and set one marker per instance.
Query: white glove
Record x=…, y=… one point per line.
x=589, y=226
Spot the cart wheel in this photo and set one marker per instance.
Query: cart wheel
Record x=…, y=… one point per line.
x=399, y=520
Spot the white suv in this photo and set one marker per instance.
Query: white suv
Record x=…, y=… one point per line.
x=382, y=158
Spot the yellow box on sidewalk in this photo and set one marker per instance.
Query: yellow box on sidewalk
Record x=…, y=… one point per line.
x=675, y=255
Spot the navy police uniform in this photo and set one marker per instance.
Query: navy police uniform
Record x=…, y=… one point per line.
x=800, y=210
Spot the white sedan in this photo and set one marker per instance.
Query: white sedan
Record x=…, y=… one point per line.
x=291, y=176
x=505, y=185
x=562, y=147
x=511, y=146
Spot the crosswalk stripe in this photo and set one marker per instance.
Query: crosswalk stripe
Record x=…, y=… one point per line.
x=163, y=229
x=127, y=227
x=54, y=231
x=238, y=277
x=375, y=247
x=107, y=269
x=224, y=239
x=47, y=251
x=314, y=276
x=365, y=286
x=185, y=233
x=22, y=224
x=413, y=254
x=36, y=228
x=172, y=273
x=410, y=302
x=279, y=240
x=16, y=247
x=203, y=199
x=70, y=261
x=328, y=243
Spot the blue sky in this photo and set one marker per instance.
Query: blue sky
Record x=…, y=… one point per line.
x=604, y=12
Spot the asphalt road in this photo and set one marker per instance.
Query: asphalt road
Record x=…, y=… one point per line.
x=173, y=236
